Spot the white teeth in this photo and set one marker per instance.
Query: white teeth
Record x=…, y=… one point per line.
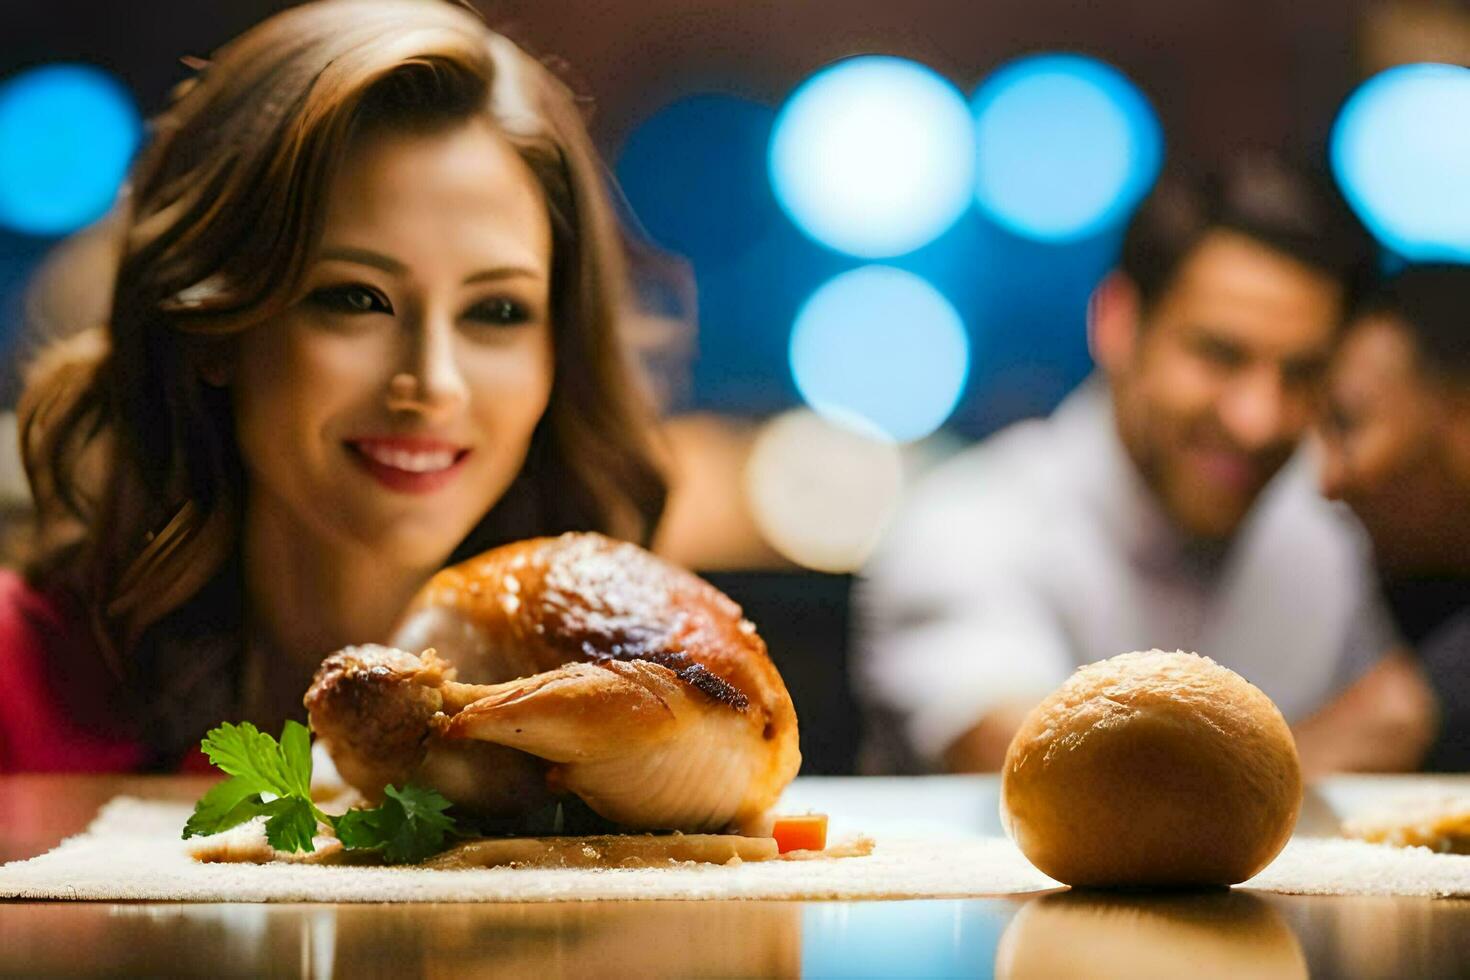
x=400, y=459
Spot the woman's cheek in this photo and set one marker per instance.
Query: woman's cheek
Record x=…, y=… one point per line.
x=349, y=362
x=514, y=387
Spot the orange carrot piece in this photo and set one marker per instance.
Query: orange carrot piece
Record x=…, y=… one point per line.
x=807, y=832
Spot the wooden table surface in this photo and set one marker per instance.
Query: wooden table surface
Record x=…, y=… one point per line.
x=1235, y=933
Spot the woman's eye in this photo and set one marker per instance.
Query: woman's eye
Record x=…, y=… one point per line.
x=351, y=299
x=498, y=311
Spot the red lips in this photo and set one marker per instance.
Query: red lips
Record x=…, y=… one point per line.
x=408, y=464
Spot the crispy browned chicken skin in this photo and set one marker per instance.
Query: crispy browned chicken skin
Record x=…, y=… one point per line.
x=600, y=670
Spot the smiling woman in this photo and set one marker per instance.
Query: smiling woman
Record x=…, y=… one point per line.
x=367, y=323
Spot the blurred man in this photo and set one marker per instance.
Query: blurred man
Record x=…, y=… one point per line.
x=1160, y=506
x=1397, y=440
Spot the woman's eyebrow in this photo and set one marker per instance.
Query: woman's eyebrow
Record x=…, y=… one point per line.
x=363, y=256
x=392, y=266
x=505, y=272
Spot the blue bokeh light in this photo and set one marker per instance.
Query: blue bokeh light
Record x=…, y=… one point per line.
x=880, y=350
x=67, y=135
x=1065, y=147
x=873, y=156
x=1401, y=154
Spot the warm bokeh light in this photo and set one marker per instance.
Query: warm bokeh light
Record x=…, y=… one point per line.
x=1401, y=153
x=873, y=156
x=67, y=135
x=820, y=493
x=1065, y=146
x=880, y=350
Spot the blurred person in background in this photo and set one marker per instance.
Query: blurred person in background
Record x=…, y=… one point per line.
x=368, y=320
x=1396, y=435
x=1164, y=504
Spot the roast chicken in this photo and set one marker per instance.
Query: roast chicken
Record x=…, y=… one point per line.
x=570, y=665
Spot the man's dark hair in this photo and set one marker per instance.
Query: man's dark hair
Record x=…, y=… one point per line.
x=1432, y=301
x=1293, y=211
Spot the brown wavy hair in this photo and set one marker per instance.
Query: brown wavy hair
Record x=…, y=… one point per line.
x=133, y=458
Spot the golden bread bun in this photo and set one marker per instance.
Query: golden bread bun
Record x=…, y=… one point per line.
x=1152, y=769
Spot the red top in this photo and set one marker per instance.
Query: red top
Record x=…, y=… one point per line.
x=49, y=674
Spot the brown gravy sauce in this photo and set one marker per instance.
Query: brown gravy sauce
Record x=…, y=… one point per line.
x=603, y=851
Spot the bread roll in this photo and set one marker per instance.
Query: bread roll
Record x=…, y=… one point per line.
x=1152, y=770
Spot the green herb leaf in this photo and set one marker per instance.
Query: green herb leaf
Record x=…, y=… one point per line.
x=226, y=805
x=409, y=826
x=244, y=751
x=258, y=764
x=359, y=830
x=273, y=779
x=291, y=826
x=296, y=755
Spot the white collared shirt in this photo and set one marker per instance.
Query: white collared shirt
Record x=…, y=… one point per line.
x=1041, y=549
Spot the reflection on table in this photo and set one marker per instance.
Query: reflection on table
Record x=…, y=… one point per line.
x=1220, y=933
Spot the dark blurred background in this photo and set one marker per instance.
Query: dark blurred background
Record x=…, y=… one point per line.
x=1221, y=74
x=683, y=96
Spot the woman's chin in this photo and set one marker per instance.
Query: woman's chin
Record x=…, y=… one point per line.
x=407, y=544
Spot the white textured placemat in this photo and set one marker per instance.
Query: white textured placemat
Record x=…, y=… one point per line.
x=132, y=851
x=1336, y=866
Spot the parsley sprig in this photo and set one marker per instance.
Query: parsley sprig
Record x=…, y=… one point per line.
x=273, y=779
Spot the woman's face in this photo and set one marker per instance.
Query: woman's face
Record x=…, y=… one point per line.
x=392, y=406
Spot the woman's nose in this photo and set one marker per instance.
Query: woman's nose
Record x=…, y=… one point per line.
x=432, y=363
